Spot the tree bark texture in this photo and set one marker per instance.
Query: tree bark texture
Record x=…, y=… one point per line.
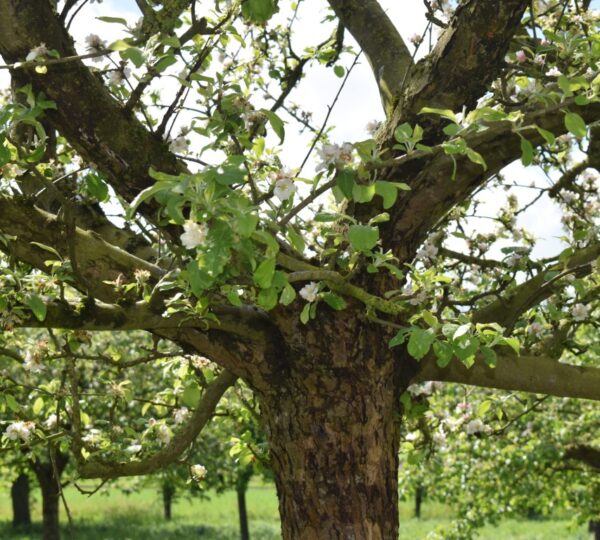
x=242, y=512
x=333, y=434
x=19, y=493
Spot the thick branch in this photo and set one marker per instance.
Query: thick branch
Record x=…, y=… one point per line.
x=382, y=44
x=180, y=442
x=87, y=115
x=507, y=309
x=433, y=191
x=466, y=58
x=587, y=454
x=536, y=374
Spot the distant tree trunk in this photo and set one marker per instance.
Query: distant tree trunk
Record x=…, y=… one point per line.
x=19, y=493
x=50, y=488
x=594, y=528
x=419, y=494
x=168, y=492
x=241, y=489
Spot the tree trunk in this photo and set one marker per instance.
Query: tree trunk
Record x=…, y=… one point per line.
x=594, y=528
x=419, y=493
x=241, y=500
x=50, y=488
x=241, y=489
x=19, y=493
x=333, y=430
x=168, y=491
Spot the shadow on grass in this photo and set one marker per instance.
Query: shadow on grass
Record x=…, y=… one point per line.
x=134, y=527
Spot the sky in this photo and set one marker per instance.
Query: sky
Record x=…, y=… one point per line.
x=358, y=103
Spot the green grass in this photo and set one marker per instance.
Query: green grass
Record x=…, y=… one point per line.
x=138, y=516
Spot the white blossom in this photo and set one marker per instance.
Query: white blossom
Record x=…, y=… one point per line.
x=521, y=56
x=179, y=144
x=51, y=421
x=194, y=234
x=200, y=362
x=181, y=415
x=133, y=448
x=439, y=437
x=567, y=196
x=95, y=44
x=284, y=189
x=372, y=127
x=475, y=426
x=20, y=430
x=118, y=76
x=334, y=154
x=416, y=39
x=92, y=437
x=535, y=328
x=198, y=472
x=33, y=362
x=40, y=50
x=579, y=312
x=164, y=434
x=310, y=291
x=553, y=72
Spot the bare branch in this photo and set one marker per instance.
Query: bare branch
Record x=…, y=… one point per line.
x=382, y=44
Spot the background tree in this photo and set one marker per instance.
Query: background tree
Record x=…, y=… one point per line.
x=327, y=293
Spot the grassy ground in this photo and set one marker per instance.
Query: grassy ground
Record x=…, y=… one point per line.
x=138, y=516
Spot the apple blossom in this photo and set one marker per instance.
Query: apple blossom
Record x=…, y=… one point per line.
x=310, y=291
x=194, y=234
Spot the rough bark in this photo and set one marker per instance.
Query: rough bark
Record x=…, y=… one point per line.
x=332, y=427
x=19, y=493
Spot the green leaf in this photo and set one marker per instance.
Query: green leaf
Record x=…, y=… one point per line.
x=305, y=314
x=443, y=352
x=363, y=193
x=363, y=237
x=420, y=342
x=288, y=295
x=119, y=45
x=399, y=338
x=513, y=343
x=259, y=11
x=526, y=152
x=387, y=191
x=276, y=124
x=345, y=181
x=296, y=240
x=267, y=298
x=263, y=275
x=117, y=20
x=446, y=113
x=11, y=402
x=246, y=224
x=335, y=301
x=135, y=55
x=339, y=71
x=37, y=305
x=403, y=133
x=548, y=135
x=575, y=124
x=476, y=157
x=484, y=407
x=461, y=330
x=191, y=395
x=38, y=405
x=489, y=356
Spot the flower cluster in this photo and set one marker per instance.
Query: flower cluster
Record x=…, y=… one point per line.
x=334, y=154
x=20, y=430
x=198, y=472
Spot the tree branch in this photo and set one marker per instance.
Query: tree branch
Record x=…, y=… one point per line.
x=179, y=443
x=536, y=374
x=87, y=115
x=382, y=44
x=587, y=454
